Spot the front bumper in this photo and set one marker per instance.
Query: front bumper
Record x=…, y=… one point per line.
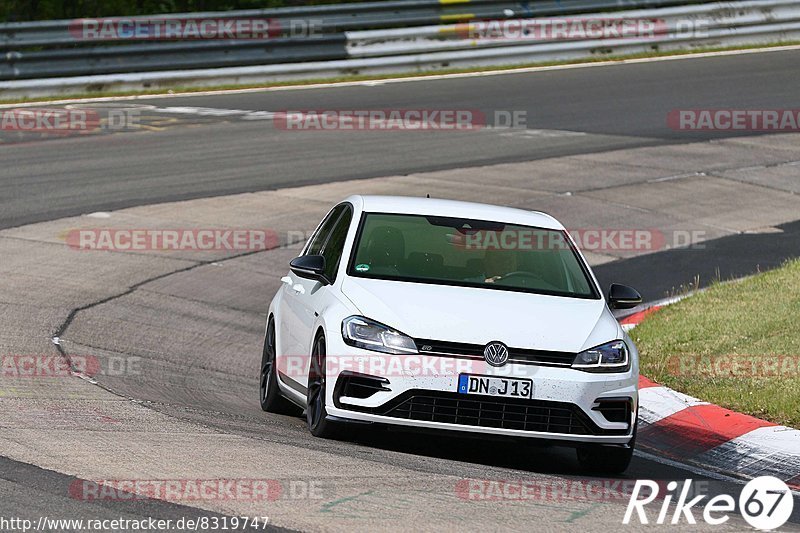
x=421, y=391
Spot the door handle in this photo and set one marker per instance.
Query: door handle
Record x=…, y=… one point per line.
x=299, y=289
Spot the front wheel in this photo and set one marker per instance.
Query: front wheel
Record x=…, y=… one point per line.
x=316, y=414
x=605, y=459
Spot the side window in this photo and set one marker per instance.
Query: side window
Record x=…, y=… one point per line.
x=319, y=238
x=334, y=247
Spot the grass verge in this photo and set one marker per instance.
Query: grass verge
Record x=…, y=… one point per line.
x=736, y=344
x=369, y=77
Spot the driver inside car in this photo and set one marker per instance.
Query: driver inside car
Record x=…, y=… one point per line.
x=499, y=263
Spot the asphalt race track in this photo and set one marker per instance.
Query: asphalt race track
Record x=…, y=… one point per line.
x=597, y=152
x=615, y=106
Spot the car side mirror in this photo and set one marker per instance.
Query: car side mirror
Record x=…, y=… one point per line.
x=623, y=297
x=310, y=267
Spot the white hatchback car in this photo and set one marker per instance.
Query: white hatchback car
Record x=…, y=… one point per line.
x=458, y=316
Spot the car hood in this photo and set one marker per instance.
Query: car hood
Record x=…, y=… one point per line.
x=479, y=316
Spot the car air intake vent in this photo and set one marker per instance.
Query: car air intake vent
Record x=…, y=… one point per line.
x=355, y=385
x=515, y=355
x=614, y=409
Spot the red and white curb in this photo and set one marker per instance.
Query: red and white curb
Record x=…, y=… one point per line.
x=687, y=430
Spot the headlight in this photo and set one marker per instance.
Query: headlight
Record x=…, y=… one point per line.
x=370, y=335
x=609, y=357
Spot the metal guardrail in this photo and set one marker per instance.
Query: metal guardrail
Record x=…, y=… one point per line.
x=387, y=50
x=48, y=48
x=170, y=56
x=676, y=23
x=343, y=17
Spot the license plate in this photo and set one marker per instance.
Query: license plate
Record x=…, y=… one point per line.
x=495, y=386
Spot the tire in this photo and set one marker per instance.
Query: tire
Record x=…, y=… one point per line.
x=606, y=459
x=316, y=413
x=269, y=394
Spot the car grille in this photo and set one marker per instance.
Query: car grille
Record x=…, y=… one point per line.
x=515, y=355
x=484, y=411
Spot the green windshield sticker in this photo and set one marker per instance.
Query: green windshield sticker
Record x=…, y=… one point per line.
x=362, y=267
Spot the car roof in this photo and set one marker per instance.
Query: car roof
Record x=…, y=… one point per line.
x=453, y=208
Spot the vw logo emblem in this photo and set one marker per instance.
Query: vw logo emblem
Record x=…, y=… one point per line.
x=496, y=353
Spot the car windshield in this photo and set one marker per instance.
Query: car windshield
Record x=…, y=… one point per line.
x=469, y=253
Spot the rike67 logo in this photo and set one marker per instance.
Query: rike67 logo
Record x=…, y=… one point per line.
x=766, y=503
